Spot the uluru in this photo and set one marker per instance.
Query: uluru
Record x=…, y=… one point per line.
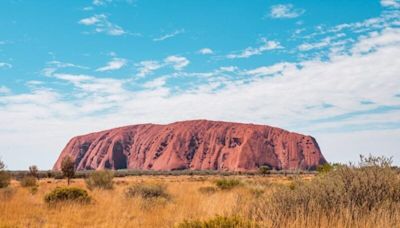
x=193, y=145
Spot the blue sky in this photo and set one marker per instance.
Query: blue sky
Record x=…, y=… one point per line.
x=330, y=69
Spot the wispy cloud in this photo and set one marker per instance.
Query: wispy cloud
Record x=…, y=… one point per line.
x=103, y=25
x=100, y=2
x=147, y=67
x=114, y=64
x=53, y=66
x=228, y=69
x=285, y=11
x=5, y=65
x=206, y=51
x=105, y=2
x=169, y=35
x=177, y=62
x=390, y=3
x=250, y=51
x=4, y=89
x=269, y=70
x=309, y=46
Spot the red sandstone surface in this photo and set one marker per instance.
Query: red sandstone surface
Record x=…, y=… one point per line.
x=194, y=145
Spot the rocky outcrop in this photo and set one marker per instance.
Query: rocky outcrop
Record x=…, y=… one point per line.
x=195, y=145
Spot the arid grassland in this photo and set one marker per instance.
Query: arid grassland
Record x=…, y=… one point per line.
x=362, y=196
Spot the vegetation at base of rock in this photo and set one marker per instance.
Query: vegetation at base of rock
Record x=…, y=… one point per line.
x=5, y=177
x=227, y=183
x=67, y=194
x=100, y=179
x=147, y=191
x=264, y=169
x=28, y=181
x=68, y=168
x=218, y=222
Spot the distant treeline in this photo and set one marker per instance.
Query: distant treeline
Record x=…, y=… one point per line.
x=124, y=172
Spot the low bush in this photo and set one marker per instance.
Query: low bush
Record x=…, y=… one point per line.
x=218, y=222
x=264, y=170
x=34, y=189
x=208, y=190
x=28, y=181
x=67, y=194
x=227, y=183
x=147, y=191
x=100, y=179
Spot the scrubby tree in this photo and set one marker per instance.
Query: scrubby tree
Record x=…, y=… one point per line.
x=2, y=165
x=68, y=168
x=4, y=175
x=34, y=171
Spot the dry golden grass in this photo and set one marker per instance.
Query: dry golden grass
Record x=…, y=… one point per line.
x=110, y=208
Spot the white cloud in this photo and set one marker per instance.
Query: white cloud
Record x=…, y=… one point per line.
x=53, y=66
x=375, y=40
x=156, y=83
x=5, y=65
x=147, y=67
x=309, y=46
x=228, y=69
x=285, y=11
x=114, y=64
x=4, y=89
x=169, y=35
x=250, y=51
x=390, y=3
x=91, y=20
x=105, y=2
x=270, y=70
x=206, y=51
x=177, y=62
x=103, y=25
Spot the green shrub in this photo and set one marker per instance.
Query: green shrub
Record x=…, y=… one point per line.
x=208, y=190
x=324, y=168
x=67, y=194
x=28, y=181
x=147, y=191
x=227, y=183
x=218, y=222
x=100, y=179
